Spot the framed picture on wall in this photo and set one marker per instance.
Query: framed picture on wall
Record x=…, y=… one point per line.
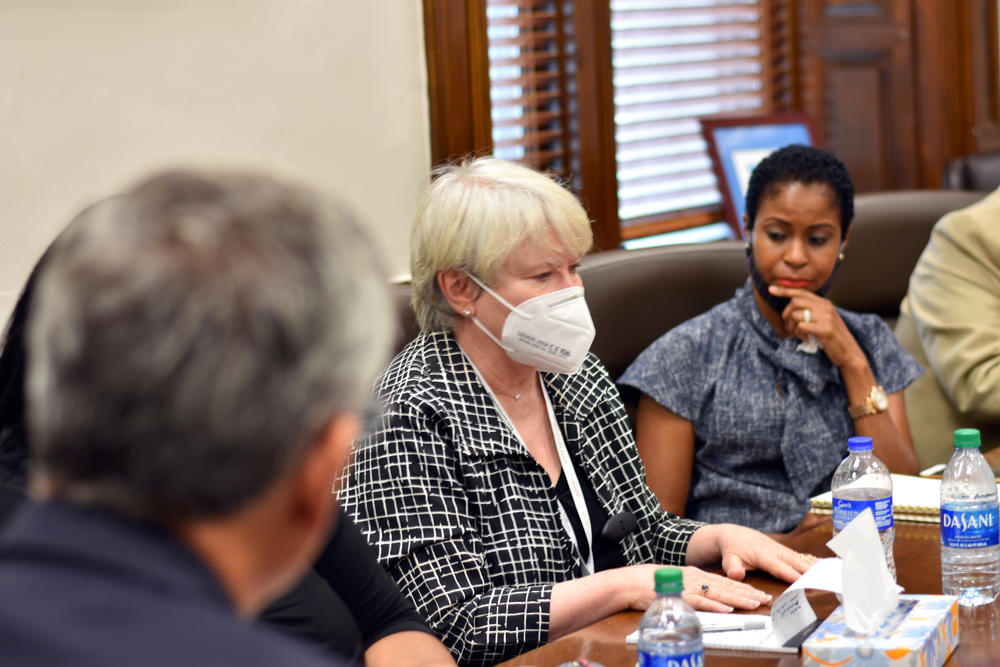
x=737, y=144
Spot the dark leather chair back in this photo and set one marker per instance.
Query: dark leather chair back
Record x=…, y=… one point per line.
x=978, y=171
x=889, y=231
x=635, y=296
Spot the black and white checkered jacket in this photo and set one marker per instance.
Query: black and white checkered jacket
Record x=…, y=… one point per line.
x=466, y=520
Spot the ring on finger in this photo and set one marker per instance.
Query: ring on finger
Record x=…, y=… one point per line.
x=807, y=315
x=704, y=590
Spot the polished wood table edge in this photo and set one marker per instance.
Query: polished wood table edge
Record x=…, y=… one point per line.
x=918, y=564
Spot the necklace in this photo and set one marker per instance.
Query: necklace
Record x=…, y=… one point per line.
x=517, y=396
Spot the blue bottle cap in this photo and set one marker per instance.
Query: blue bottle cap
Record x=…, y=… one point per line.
x=860, y=443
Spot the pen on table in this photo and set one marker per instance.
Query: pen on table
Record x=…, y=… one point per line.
x=936, y=469
x=749, y=624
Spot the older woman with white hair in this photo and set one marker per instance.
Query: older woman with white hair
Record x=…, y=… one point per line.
x=502, y=486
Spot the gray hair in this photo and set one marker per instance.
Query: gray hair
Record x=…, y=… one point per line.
x=190, y=339
x=474, y=215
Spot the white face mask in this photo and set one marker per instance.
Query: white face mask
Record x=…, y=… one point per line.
x=551, y=332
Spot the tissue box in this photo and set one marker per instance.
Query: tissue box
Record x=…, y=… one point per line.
x=922, y=631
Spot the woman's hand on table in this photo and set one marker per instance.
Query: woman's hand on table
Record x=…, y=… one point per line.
x=579, y=602
x=703, y=590
x=740, y=549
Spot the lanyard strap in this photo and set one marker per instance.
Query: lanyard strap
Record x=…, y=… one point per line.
x=569, y=472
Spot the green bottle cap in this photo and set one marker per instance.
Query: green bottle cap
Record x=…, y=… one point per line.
x=967, y=437
x=669, y=580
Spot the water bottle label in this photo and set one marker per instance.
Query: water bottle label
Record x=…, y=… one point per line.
x=970, y=529
x=693, y=659
x=845, y=510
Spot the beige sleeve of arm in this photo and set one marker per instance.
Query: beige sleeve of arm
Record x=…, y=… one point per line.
x=954, y=297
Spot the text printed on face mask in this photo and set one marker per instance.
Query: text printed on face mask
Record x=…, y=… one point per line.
x=550, y=348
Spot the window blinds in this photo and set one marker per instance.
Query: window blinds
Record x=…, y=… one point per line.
x=675, y=61
x=529, y=82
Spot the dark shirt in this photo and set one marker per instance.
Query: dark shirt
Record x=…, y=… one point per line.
x=82, y=587
x=11, y=498
x=607, y=553
x=343, y=606
x=347, y=602
x=13, y=460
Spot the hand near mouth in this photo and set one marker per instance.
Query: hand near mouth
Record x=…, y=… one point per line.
x=810, y=314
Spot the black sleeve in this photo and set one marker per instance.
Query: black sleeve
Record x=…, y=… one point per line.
x=13, y=463
x=349, y=565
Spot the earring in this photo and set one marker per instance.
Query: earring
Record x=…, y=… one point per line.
x=840, y=256
x=467, y=312
x=746, y=245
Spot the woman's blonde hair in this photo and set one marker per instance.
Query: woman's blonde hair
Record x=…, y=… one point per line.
x=473, y=216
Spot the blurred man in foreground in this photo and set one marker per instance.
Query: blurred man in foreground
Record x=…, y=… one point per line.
x=198, y=349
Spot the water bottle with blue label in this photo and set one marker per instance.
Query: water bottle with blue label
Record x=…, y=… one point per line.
x=669, y=632
x=861, y=482
x=970, y=524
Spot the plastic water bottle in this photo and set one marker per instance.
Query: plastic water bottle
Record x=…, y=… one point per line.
x=669, y=632
x=862, y=481
x=970, y=541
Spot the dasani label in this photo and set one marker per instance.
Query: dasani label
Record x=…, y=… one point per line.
x=695, y=659
x=970, y=529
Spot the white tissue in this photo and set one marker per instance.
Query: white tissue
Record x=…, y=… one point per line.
x=810, y=345
x=870, y=593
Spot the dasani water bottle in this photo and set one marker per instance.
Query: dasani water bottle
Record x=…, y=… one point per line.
x=669, y=632
x=970, y=524
x=862, y=481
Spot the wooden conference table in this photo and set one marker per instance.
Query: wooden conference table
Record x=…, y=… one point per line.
x=918, y=566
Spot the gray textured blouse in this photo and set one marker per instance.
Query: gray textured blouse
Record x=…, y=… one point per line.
x=770, y=421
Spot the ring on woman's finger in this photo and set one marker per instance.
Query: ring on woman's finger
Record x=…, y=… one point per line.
x=807, y=315
x=704, y=590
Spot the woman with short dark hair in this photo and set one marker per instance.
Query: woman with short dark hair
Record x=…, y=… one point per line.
x=745, y=410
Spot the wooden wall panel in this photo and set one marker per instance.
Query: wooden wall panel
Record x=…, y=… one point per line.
x=859, y=87
x=942, y=83
x=595, y=181
x=937, y=96
x=861, y=140
x=857, y=8
x=957, y=82
x=980, y=32
x=457, y=78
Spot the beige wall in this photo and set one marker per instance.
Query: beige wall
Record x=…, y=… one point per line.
x=94, y=93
